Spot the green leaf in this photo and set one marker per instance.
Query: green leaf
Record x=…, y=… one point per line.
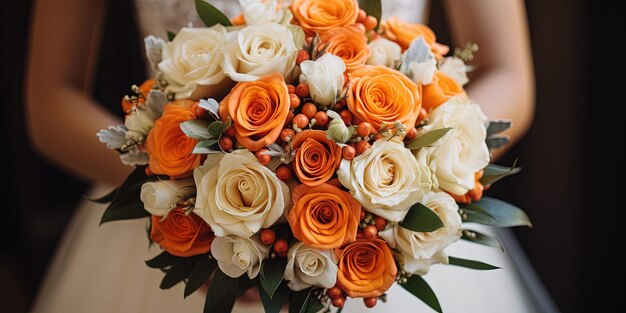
x=300, y=301
x=427, y=138
x=204, y=147
x=272, y=272
x=274, y=304
x=480, y=238
x=104, y=199
x=124, y=209
x=162, y=260
x=314, y=305
x=494, y=173
x=373, y=8
x=220, y=298
x=506, y=214
x=420, y=288
x=421, y=219
x=216, y=128
x=170, y=35
x=200, y=274
x=496, y=127
x=476, y=265
x=179, y=271
x=210, y=15
x=472, y=213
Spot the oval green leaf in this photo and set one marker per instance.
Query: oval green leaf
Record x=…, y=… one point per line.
x=427, y=139
x=210, y=15
x=272, y=272
x=420, y=288
x=420, y=218
x=475, y=265
x=507, y=215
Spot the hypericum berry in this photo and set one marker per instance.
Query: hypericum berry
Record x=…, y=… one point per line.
x=370, y=231
x=283, y=173
x=348, y=152
x=338, y=302
x=361, y=146
x=300, y=120
x=370, y=302
x=291, y=88
x=226, y=143
x=346, y=116
x=199, y=112
x=369, y=22
x=411, y=134
x=321, y=119
x=230, y=132
x=294, y=101
x=360, y=27
x=268, y=236
x=309, y=109
x=380, y=223
x=362, y=215
x=148, y=171
x=334, y=292
x=303, y=55
x=364, y=129
x=302, y=90
x=362, y=15
x=281, y=247
x=287, y=134
x=263, y=158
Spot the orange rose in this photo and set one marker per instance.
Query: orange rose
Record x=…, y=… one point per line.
x=366, y=267
x=181, y=234
x=319, y=16
x=145, y=89
x=474, y=194
x=168, y=147
x=258, y=110
x=439, y=91
x=381, y=95
x=349, y=44
x=324, y=216
x=317, y=157
x=404, y=33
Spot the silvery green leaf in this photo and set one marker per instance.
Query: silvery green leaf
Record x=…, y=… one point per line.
x=114, y=136
x=155, y=102
x=418, y=52
x=495, y=142
x=154, y=48
x=134, y=157
x=216, y=128
x=204, y=147
x=496, y=127
x=211, y=106
x=196, y=129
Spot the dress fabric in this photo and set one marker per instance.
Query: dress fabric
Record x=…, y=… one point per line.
x=101, y=268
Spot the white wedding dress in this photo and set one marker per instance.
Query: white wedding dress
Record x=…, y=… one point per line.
x=101, y=268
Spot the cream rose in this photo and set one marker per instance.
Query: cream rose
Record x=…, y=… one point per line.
x=236, y=255
x=462, y=152
x=384, y=52
x=454, y=68
x=159, y=197
x=324, y=77
x=192, y=63
x=386, y=179
x=261, y=50
x=308, y=267
x=419, y=250
x=257, y=12
x=237, y=195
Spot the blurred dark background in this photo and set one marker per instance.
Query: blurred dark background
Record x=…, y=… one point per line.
x=572, y=184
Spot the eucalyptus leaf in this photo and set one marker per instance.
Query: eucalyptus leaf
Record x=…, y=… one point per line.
x=480, y=238
x=179, y=271
x=216, y=128
x=210, y=15
x=221, y=295
x=204, y=147
x=162, y=260
x=418, y=52
x=200, y=274
x=496, y=127
x=420, y=288
x=272, y=272
x=475, y=214
x=373, y=8
x=420, y=218
x=170, y=35
x=506, y=214
x=497, y=141
x=494, y=173
x=275, y=304
x=196, y=129
x=428, y=138
x=104, y=199
x=475, y=265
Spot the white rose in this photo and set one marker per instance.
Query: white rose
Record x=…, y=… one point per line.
x=257, y=12
x=260, y=50
x=419, y=250
x=237, y=195
x=324, y=78
x=386, y=179
x=423, y=72
x=236, y=256
x=158, y=197
x=462, y=152
x=308, y=267
x=384, y=52
x=192, y=63
x=455, y=68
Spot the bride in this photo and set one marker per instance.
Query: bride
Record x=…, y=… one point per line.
x=101, y=269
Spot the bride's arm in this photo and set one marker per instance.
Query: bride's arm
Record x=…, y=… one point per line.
x=503, y=83
x=62, y=118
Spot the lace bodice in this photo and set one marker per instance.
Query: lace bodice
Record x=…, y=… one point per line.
x=156, y=17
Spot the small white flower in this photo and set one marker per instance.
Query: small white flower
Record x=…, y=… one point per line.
x=154, y=49
x=454, y=68
x=236, y=255
x=159, y=196
x=324, y=78
x=307, y=267
x=337, y=129
x=113, y=136
x=384, y=52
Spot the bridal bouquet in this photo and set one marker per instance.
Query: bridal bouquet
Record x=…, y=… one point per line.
x=310, y=150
